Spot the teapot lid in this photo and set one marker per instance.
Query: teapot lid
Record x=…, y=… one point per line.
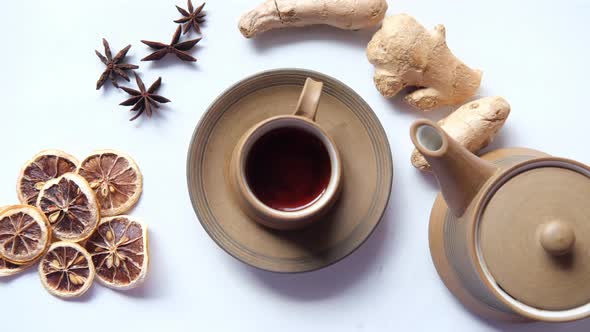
x=533, y=234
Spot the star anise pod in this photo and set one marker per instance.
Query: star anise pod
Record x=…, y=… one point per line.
x=114, y=66
x=191, y=17
x=142, y=99
x=174, y=47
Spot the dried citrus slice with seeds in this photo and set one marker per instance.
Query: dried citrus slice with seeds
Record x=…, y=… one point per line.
x=66, y=270
x=7, y=268
x=119, y=250
x=70, y=206
x=24, y=234
x=115, y=178
x=44, y=166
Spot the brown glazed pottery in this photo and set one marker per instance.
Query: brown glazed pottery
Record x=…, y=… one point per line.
x=304, y=119
x=510, y=232
x=365, y=184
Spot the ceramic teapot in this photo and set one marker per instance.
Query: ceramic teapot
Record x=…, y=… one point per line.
x=510, y=232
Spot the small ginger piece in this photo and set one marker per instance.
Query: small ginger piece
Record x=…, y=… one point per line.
x=474, y=125
x=343, y=14
x=404, y=54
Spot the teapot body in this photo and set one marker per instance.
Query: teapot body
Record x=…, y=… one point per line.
x=451, y=240
x=510, y=232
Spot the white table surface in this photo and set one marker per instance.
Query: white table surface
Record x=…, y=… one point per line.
x=533, y=53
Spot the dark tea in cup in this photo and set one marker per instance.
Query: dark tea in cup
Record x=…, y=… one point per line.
x=288, y=168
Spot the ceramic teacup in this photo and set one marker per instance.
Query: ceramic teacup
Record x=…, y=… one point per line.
x=273, y=168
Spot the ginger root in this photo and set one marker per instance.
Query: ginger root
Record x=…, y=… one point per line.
x=343, y=14
x=406, y=54
x=474, y=125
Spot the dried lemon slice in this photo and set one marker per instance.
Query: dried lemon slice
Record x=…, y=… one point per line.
x=115, y=178
x=70, y=206
x=7, y=268
x=24, y=234
x=44, y=166
x=119, y=250
x=66, y=270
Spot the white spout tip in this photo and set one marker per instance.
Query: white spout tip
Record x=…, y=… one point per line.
x=429, y=138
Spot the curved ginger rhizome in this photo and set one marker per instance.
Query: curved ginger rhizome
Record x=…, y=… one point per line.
x=342, y=14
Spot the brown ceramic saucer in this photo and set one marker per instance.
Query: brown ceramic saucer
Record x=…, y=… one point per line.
x=367, y=173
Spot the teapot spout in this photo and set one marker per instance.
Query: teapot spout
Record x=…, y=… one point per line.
x=460, y=173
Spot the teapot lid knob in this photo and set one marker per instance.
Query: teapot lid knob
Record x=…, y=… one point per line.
x=557, y=237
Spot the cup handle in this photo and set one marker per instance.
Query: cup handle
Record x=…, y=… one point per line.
x=309, y=99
